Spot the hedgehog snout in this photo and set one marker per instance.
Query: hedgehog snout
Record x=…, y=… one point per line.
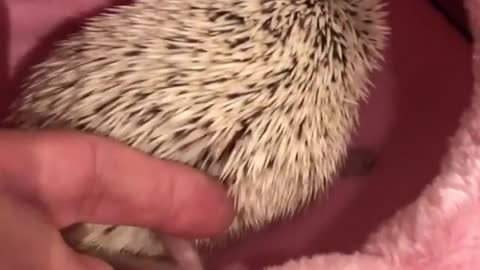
x=360, y=162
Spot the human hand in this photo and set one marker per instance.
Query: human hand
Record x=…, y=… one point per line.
x=50, y=180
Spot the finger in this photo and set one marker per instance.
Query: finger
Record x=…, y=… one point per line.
x=30, y=242
x=79, y=178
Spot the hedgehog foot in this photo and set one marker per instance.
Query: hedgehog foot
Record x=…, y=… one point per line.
x=360, y=162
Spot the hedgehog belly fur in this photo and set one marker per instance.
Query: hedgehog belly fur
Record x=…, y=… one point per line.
x=263, y=94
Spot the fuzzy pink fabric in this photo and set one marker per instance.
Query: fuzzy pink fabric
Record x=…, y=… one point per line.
x=414, y=108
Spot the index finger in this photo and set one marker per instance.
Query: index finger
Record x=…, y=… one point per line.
x=82, y=178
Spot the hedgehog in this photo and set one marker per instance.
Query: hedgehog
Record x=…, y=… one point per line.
x=262, y=94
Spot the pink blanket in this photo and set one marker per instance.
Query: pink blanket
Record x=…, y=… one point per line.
x=414, y=108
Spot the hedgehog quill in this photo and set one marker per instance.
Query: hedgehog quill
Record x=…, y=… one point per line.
x=262, y=94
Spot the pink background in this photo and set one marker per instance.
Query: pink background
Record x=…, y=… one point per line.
x=412, y=111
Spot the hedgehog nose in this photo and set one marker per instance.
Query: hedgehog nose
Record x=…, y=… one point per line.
x=360, y=162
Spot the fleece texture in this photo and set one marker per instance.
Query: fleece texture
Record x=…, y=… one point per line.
x=441, y=229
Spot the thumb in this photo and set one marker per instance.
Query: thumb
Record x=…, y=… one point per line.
x=30, y=242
